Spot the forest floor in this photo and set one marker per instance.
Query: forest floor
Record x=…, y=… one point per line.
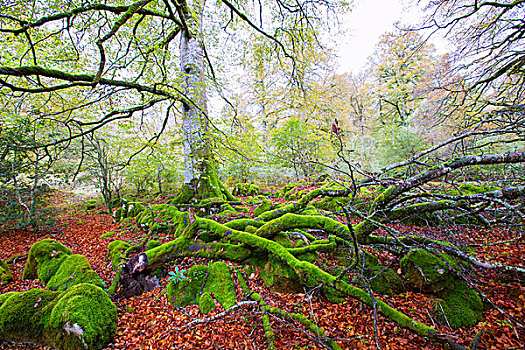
x=149, y=321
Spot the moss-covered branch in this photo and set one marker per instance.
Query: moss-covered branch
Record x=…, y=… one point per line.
x=293, y=221
x=313, y=275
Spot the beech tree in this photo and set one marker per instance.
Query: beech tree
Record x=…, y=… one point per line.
x=94, y=63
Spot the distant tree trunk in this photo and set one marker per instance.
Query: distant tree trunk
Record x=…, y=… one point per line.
x=159, y=177
x=200, y=172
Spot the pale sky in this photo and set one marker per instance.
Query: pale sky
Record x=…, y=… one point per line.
x=367, y=21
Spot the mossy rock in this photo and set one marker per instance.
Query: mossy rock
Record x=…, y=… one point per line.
x=108, y=234
x=226, y=209
x=187, y=291
x=215, y=282
x=42, y=252
x=92, y=204
x=220, y=284
x=458, y=307
x=115, y=251
x=283, y=239
x=5, y=296
x=206, y=303
x=385, y=281
x=428, y=272
x=280, y=277
x=263, y=204
x=474, y=188
x=457, y=304
x=23, y=315
x=246, y=189
x=117, y=214
x=5, y=273
x=49, y=268
x=83, y=317
x=74, y=270
x=52, y=263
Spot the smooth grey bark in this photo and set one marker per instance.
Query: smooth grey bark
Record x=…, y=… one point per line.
x=194, y=124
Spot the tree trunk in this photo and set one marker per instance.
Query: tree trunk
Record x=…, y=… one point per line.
x=200, y=172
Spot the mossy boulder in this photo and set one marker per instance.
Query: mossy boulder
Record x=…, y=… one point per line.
x=153, y=244
x=54, y=265
x=429, y=272
x=280, y=277
x=92, y=204
x=116, y=250
x=221, y=285
x=459, y=306
x=83, y=317
x=75, y=269
x=203, y=286
x=187, y=291
x=262, y=205
x=44, y=258
x=23, y=315
x=246, y=189
x=5, y=273
x=384, y=280
x=475, y=188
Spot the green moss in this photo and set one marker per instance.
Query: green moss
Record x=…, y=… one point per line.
x=5, y=273
x=187, y=291
x=472, y=188
x=116, y=249
x=22, y=316
x=428, y=272
x=42, y=252
x=153, y=244
x=108, y=234
x=16, y=257
x=458, y=307
x=83, y=317
x=214, y=282
x=241, y=281
x=92, y=204
x=75, y=269
x=385, y=281
x=49, y=268
x=246, y=189
x=206, y=302
x=5, y=296
x=221, y=285
x=280, y=277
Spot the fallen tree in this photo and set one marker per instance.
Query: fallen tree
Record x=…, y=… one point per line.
x=284, y=242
